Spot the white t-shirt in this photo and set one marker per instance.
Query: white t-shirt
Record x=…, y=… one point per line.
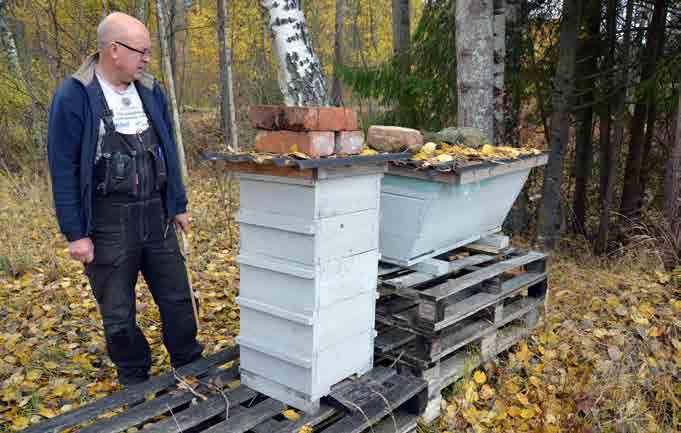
x=128, y=112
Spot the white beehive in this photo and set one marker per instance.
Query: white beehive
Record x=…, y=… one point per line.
x=309, y=264
x=423, y=217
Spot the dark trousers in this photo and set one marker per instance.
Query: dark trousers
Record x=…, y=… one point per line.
x=130, y=237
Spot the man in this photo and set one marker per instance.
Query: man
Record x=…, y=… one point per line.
x=118, y=194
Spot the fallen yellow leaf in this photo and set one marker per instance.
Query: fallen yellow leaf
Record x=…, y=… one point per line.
x=527, y=413
x=522, y=398
x=306, y=428
x=291, y=415
x=514, y=411
x=487, y=392
x=480, y=377
x=368, y=152
x=20, y=423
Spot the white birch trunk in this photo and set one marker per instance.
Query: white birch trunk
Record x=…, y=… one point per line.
x=227, y=110
x=475, y=65
x=165, y=54
x=300, y=74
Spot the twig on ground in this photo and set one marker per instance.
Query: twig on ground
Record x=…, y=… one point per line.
x=179, y=429
x=387, y=404
x=188, y=387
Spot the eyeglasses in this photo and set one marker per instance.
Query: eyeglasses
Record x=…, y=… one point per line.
x=144, y=53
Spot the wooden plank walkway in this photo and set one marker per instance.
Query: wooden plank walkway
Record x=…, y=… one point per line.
x=212, y=406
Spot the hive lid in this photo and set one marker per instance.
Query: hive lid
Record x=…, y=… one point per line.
x=306, y=164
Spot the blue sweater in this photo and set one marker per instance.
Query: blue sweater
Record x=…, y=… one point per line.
x=73, y=132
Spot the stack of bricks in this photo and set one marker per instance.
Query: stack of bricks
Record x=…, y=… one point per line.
x=315, y=131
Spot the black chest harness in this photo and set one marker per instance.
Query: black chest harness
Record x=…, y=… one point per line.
x=131, y=165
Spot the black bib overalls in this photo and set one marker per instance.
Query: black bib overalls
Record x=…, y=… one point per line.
x=131, y=234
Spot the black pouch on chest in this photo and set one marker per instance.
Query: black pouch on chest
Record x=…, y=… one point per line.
x=129, y=163
x=117, y=170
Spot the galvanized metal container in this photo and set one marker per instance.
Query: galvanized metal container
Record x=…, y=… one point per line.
x=309, y=266
x=424, y=214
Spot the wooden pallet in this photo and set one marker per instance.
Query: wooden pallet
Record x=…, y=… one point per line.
x=379, y=398
x=455, y=311
x=470, y=284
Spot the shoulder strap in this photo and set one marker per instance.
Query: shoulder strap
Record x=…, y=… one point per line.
x=107, y=114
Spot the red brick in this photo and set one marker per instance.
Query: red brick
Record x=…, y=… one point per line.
x=282, y=118
x=331, y=119
x=351, y=123
x=351, y=142
x=279, y=117
x=394, y=138
x=313, y=143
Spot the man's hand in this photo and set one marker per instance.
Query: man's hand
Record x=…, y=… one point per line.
x=182, y=222
x=82, y=250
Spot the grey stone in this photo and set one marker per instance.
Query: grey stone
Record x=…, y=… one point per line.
x=469, y=137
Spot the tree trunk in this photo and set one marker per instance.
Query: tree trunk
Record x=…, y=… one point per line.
x=8, y=43
x=512, y=71
x=170, y=84
x=301, y=79
x=402, y=33
x=141, y=10
x=337, y=88
x=588, y=67
x=550, y=217
x=672, y=186
x=475, y=65
x=177, y=40
x=608, y=148
x=649, y=165
x=227, y=113
x=499, y=21
x=518, y=217
x=632, y=193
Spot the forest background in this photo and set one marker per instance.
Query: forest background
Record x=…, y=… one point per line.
x=608, y=355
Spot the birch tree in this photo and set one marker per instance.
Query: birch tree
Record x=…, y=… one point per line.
x=170, y=84
x=550, y=215
x=474, y=65
x=300, y=74
x=227, y=90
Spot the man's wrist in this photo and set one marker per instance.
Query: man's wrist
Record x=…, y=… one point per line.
x=72, y=237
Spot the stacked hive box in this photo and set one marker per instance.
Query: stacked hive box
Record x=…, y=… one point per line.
x=309, y=263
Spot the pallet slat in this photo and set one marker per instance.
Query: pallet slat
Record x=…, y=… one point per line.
x=130, y=395
x=392, y=339
x=441, y=292
x=401, y=390
x=158, y=406
x=197, y=414
x=247, y=419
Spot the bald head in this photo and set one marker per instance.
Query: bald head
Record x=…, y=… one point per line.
x=117, y=26
x=124, y=48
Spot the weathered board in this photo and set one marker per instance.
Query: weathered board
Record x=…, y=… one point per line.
x=355, y=405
